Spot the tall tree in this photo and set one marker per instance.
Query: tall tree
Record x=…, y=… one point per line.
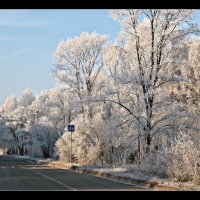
x=148, y=44
x=78, y=63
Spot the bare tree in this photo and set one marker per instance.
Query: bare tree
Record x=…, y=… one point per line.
x=148, y=44
x=78, y=63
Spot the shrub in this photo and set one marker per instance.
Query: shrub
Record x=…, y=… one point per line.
x=182, y=159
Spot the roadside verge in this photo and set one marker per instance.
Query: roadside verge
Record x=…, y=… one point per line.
x=81, y=169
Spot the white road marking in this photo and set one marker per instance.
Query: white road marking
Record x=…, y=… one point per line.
x=47, y=177
x=30, y=161
x=52, y=171
x=8, y=167
x=110, y=179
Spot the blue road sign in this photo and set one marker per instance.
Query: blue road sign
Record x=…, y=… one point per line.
x=71, y=128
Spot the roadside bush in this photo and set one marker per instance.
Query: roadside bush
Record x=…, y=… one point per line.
x=182, y=159
x=87, y=145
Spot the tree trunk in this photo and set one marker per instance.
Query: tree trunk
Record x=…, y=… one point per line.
x=21, y=150
x=148, y=141
x=90, y=115
x=45, y=152
x=149, y=107
x=139, y=148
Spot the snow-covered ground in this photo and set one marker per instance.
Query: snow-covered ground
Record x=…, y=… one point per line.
x=34, y=159
x=132, y=171
x=1, y=152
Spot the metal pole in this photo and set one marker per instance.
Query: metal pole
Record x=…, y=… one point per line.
x=71, y=150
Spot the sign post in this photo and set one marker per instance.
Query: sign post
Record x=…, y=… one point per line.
x=71, y=128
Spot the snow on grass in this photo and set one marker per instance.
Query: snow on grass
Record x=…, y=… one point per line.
x=25, y=157
x=129, y=171
x=133, y=172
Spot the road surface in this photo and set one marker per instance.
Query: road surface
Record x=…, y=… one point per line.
x=16, y=174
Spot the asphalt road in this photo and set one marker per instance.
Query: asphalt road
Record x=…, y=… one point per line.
x=16, y=174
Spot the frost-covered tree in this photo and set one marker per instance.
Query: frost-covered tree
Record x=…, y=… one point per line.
x=38, y=108
x=61, y=107
x=16, y=129
x=142, y=60
x=4, y=140
x=182, y=159
x=87, y=141
x=185, y=93
x=78, y=62
x=96, y=141
x=27, y=98
x=43, y=136
x=16, y=117
x=9, y=104
x=193, y=75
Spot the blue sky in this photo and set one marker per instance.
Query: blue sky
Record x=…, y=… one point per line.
x=28, y=39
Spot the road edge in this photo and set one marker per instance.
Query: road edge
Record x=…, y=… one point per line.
x=75, y=168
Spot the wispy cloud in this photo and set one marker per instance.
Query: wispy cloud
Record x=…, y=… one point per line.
x=17, y=20
x=16, y=38
x=20, y=51
x=21, y=24
x=7, y=37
